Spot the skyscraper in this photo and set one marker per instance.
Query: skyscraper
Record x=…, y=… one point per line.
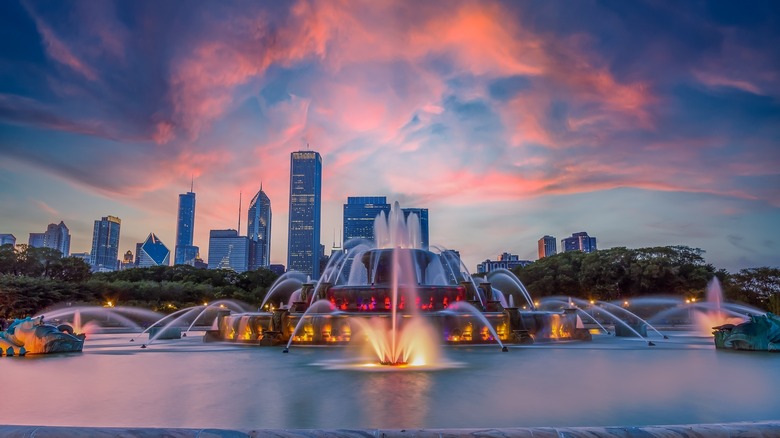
x=359, y=215
x=185, y=252
x=56, y=236
x=153, y=252
x=303, y=239
x=579, y=242
x=7, y=239
x=105, y=244
x=36, y=240
x=547, y=246
x=422, y=215
x=228, y=250
x=258, y=230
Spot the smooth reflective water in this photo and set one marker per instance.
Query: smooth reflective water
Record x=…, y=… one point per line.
x=186, y=383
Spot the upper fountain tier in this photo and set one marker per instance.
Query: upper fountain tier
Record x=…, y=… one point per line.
x=364, y=280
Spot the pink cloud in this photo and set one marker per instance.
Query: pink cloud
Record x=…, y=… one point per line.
x=46, y=208
x=714, y=80
x=58, y=50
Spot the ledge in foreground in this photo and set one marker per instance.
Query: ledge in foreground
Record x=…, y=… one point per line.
x=721, y=430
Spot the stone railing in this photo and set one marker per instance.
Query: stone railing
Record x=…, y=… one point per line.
x=724, y=430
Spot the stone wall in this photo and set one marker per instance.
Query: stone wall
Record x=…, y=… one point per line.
x=725, y=430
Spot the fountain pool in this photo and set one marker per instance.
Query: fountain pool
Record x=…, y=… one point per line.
x=188, y=383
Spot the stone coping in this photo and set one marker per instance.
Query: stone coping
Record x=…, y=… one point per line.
x=723, y=430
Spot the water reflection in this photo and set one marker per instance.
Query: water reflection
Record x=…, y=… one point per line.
x=186, y=383
x=390, y=399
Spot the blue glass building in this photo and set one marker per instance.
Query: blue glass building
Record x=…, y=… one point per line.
x=303, y=238
x=359, y=215
x=579, y=242
x=547, y=246
x=105, y=244
x=153, y=252
x=258, y=231
x=185, y=252
x=228, y=250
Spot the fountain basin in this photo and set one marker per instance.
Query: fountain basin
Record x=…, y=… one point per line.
x=511, y=325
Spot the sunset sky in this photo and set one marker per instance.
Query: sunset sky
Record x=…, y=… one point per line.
x=642, y=123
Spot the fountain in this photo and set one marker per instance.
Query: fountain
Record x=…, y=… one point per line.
x=394, y=295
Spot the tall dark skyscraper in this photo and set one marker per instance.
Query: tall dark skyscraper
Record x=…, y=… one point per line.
x=258, y=229
x=185, y=252
x=105, y=244
x=303, y=238
x=359, y=215
x=422, y=214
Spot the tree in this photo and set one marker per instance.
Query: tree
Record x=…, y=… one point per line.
x=8, y=259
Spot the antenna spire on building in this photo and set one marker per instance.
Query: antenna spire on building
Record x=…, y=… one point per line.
x=239, y=213
x=192, y=182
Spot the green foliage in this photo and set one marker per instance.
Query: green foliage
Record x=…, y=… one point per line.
x=758, y=287
x=32, y=279
x=619, y=273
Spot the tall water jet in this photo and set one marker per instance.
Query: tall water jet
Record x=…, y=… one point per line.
x=713, y=313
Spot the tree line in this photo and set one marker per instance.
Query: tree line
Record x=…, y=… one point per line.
x=32, y=279
x=622, y=273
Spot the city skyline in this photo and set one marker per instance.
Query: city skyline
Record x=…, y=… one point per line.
x=645, y=123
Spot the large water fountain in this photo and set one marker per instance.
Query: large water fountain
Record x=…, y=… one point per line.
x=402, y=300
x=401, y=304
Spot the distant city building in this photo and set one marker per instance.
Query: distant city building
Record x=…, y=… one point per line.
x=452, y=259
x=137, y=260
x=360, y=212
x=36, y=240
x=303, y=241
x=153, y=253
x=82, y=255
x=422, y=214
x=505, y=261
x=547, y=247
x=128, y=261
x=277, y=269
x=228, y=250
x=7, y=239
x=105, y=244
x=56, y=236
x=259, y=230
x=185, y=251
x=198, y=263
x=579, y=242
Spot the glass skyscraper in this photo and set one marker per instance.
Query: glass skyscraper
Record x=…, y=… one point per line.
x=185, y=252
x=303, y=238
x=359, y=215
x=579, y=242
x=228, y=250
x=153, y=252
x=259, y=230
x=56, y=236
x=105, y=244
x=547, y=247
